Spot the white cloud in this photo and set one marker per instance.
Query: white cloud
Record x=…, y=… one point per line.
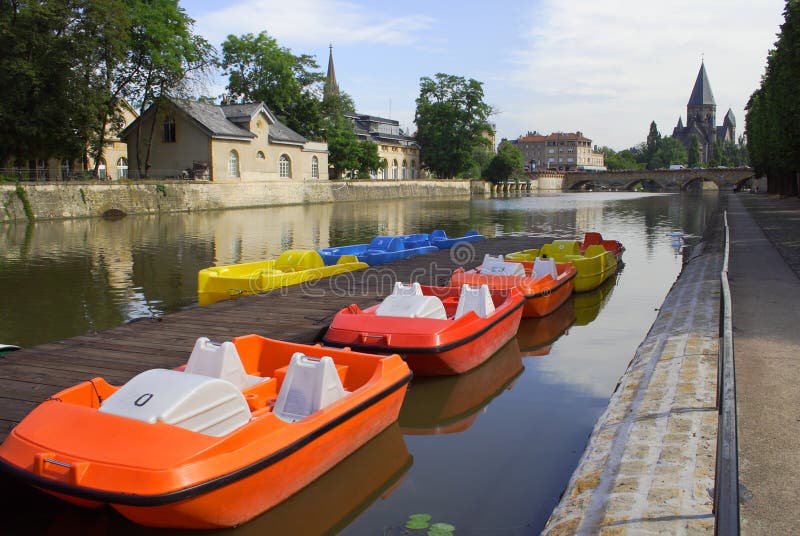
x=609, y=68
x=313, y=22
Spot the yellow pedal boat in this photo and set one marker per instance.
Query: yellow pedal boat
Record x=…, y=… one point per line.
x=293, y=267
x=594, y=266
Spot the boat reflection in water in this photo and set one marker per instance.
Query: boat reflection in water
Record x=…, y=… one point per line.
x=448, y=405
x=537, y=335
x=588, y=305
x=325, y=506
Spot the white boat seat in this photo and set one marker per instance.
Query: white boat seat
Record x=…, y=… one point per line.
x=310, y=384
x=414, y=289
x=543, y=267
x=209, y=406
x=497, y=266
x=220, y=361
x=412, y=306
x=477, y=299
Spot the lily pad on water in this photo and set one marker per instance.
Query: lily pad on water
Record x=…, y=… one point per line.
x=418, y=521
x=441, y=529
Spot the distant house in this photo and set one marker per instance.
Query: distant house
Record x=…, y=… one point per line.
x=229, y=142
x=562, y=151
x=400, y=153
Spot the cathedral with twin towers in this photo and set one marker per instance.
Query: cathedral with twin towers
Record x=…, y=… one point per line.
x=701, y=118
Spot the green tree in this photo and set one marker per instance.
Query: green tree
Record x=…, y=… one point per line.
x=49, y=105
x=693, y=156
x=773, y=112
x=258, y=69
x=624, y=159
x=451, y=119
x=670, y=151
x=507, y=164
x=651, y=146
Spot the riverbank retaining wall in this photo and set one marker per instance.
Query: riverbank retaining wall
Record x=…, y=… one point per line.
x=81, y=200
x=649, y=464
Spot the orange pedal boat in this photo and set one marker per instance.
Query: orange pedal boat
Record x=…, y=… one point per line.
x=243, y=426
x=438, y=330
x=545, y=283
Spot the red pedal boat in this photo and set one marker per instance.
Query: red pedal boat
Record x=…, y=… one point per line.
x=545, y=284
x=242, y=427
x=596, y=239
x=439, y=330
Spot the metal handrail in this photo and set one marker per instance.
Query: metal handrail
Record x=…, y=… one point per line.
x=726, y=477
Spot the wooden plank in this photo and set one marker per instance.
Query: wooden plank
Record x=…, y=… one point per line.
x=299, y=313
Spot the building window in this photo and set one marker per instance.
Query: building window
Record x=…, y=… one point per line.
x=551, y=151
x=66, y=169
x=385, y=170
x=405, y=169
x=168, y=130
x=260, y=155
x=285, y=167
x=41, y=170
x=314, y=167
x=122, y=168
x=233, y=164
x=413, y=169
x=394, y=169
x=101, y=169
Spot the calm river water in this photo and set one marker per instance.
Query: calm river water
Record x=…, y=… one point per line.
x=488, y=452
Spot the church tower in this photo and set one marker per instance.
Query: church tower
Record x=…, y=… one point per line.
x=701, y=109
x=331, y=87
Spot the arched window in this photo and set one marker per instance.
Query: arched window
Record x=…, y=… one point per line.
x=385, y=170
x=394, y=169
x=260, y=155
x=233, y=164
x=413, y=169
x=314, y=167
x=101, y=169
x=405, y=170
x=285, y=166
x=122, y=168
x=66, y=169
x=168, y=130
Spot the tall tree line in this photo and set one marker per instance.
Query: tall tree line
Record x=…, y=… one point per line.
x=65, y=65
x=773, y=111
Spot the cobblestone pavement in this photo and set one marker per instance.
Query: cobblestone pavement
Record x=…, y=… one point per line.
x=649, y=465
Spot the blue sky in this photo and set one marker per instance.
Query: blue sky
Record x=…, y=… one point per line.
x=606, y=68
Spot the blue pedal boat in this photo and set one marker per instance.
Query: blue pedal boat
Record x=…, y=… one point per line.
x=382, y=249
x=440, y=239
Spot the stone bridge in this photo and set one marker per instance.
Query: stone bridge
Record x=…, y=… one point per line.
x=673, y=180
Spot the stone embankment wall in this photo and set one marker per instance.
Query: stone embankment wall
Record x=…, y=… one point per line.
x=73, y=200
x=649, y=464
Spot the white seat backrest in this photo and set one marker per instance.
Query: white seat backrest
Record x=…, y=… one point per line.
x=497, y=266
x=310, y=384
x=477, y=299
x=543, y=267
x=412, y=306
x=414, y=289
x=219, y=361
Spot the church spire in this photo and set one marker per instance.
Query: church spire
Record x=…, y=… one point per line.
x=701, y=94
x=331, y=87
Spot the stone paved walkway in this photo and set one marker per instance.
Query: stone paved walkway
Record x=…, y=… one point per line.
x=765, y=290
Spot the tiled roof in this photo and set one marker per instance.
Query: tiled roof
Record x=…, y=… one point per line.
x=212, y=118
x=701, y=94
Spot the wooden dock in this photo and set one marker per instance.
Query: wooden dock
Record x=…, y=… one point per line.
x=299, y=313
